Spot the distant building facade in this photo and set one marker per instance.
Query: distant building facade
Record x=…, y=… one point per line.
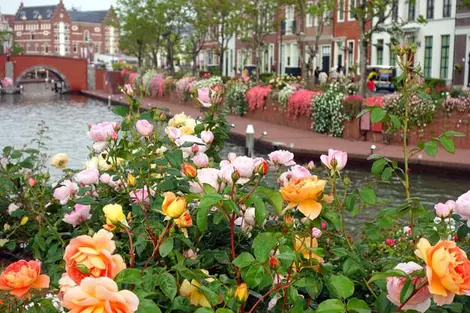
x=6, y=32
x=462, y=46
x=52, y=30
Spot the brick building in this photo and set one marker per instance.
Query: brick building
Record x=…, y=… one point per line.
x=6, y=32
x=52, y=30
x=462, y=46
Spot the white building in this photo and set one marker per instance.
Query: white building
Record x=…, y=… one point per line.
x=434, y=40
x=6, y=33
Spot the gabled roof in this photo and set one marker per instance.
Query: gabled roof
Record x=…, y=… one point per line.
x=87, y=16
x=33, y=13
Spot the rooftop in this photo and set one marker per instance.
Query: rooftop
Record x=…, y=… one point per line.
x=37, y=12
x=87, y=16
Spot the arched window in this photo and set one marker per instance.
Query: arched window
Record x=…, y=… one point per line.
x=86, y=36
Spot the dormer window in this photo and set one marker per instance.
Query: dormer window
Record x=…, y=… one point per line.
x=35, y=14
x=23, y=15
x=48, y=14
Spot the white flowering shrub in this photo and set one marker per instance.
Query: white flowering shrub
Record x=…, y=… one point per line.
x=208, y=82
x=147, y=79
x=327, y=111
x=285, y=94
x=236, y=100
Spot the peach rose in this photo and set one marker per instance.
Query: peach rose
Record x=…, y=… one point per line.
x=305, y=194
x=99, y=295
x=65, y=284
x=447, y=269
x=21, y=276
x=92, y=256
x=303, y=246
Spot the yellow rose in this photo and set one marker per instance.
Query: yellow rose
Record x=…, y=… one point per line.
x=191, y=291
x=304, y=193
x=114, y=215
x=60, y=160
x=186, y=130
x=303, y=246
x=241, y=294
x=24, y=220
x=130, y=179
x=447, y=269
x=173, y=206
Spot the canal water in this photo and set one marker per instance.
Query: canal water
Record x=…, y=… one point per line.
x=67, y=116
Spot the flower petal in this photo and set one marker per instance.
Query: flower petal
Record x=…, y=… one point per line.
x=310, y=208
x=41, y=282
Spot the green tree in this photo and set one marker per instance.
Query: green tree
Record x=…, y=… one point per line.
x=259, y=21
x=199, y=25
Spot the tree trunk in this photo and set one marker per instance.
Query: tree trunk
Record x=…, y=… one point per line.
x=194, y=64
x=258, y=61
x=362, y=63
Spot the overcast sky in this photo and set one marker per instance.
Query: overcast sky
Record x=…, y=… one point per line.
x=10, y=6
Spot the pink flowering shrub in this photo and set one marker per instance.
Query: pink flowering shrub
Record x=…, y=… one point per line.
x=459, y=104
x=375, y=101
x=300, y=102
x=184, y=87
x=157, y=85
x=257, y=96
x=132, y=77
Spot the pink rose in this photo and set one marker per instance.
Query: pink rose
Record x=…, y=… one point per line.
x=203, y=95
x=210, y=176
x=323, y=225
x=102, y=131
x=88, y=176
x=311, y=165
x=462, y=207
x=390, y=242
x=245, y=166
x=190, y=151
x=207, y=136
x=173, y=133
x=296, y=171
x=316, y=233
x=231, y=156
x=282, y=157
x=105, y=178
x=444, y=209
x=79, y=214
x=144, y=128
x=201, y=160
x=64, y=192
x=127, y=90
x=141, y=195
x=421, y=301
x=335, y=160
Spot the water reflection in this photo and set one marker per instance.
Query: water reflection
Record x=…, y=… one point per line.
x=67, y=117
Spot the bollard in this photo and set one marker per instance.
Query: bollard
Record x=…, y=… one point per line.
x=250, y=141
x=109, y=102
x=372, y=149
x=21, y=88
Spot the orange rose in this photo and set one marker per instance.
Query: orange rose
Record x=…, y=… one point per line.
x=99, y=295
x=304, y=193
x=447, y=269
x=92, y=256
x=21, y=276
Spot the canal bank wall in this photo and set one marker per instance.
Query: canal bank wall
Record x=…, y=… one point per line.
x=308, y=145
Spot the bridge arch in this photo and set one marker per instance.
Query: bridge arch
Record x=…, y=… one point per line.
x=50, y=69
x=72, y=71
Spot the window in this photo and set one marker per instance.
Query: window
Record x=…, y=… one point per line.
x=32, y=36
x=97, y=48
x=74, y=48
x=430, y=9
x=447, y=8
x=427, y=56
x=393, y=56
x=340, y=10
x=411, y=11
x=380, y=51
x=395, y=10
x=352, y=6
x=86, y=36
x=309, y=21
x=290, y=16
x=445, y=43
x=46, y=49
x=350, y=53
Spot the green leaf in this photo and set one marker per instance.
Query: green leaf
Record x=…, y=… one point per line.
x=377, y=115
x=451, y=133
x=423, y=95
x=262, y=246
x=255, y=275
x=378, y=166
x=351, y=267
x=3, y=242
x=363, y=112
x=331, y=306
x=274, y=197
x=211, y=199
x=243, y=260
x=166, y=247
x=350, y=202
x=129, y=276
x=86, y=200
x=204, y=310
x=333, y=217
x=387, y=174
x=175, y=158
x=383, y=305
x=260, y=209
x=148, y=306
x=367, y=195
x=120, y=110
x=448, y=144
x=395, y=121
x=431, y=147
x=222, y=310
x=343, y=285
x=358, y=306
x=391, y=273
x=201, y=218
x=407, y=290
x=167, y=284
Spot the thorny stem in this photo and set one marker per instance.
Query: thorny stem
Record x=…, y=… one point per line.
x=251, y=191
x=278, y=287
x=131, y=248
x=157, y=246
x=425, y=283
x=232, y=244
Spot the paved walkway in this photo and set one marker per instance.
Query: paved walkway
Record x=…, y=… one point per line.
x=309, y=144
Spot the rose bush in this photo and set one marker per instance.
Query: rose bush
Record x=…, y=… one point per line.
x=165, y=229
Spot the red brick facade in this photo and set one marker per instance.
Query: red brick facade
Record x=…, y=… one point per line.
x=52, y=30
